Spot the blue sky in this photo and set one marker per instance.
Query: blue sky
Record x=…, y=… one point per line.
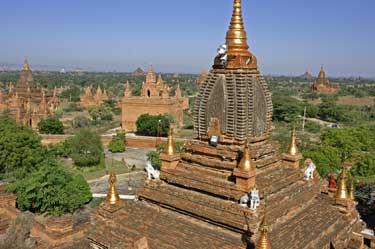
x=288, y=37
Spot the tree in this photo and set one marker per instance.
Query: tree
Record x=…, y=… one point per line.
x=20, y=149
x=50, y=189
x=117, y=144
x=101, y=112
x=85, y=148
x=51, y=125
x=149, y=125
x=80, y=121
x=287, y=108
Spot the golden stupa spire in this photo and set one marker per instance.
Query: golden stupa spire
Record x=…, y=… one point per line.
x=263, y=241
x=238, y=53
x=169, y=148
x=112, y=195
x=236, y=39
x=246, y=162
x=342, y=191
x=26, y=66
x=293, y=149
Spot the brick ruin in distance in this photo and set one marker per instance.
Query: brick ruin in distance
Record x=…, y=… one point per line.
x=155, y=99
x=27, y=103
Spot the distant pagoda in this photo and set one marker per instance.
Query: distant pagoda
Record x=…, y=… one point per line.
x=139, y=72
x=27, y=103
x=323, y=85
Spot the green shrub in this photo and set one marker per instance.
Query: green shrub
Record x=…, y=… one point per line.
x=117, y=144
x=20, y=149
x=51, y=125
x=80, y=121
x=52, y=190
x=149, y=125
x=312, y=127
x=86, y=148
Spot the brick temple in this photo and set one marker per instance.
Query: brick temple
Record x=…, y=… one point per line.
x=323, y=85
x=155, y=99
x=88, y=99
x=200, y=199
x=27, y=103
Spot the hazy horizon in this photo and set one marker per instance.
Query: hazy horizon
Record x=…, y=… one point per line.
x=288, y=39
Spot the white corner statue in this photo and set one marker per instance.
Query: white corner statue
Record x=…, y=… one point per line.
x=222, y=53
x=152, y=173
x=244, y=200
x=254, y=199
x=309, y=171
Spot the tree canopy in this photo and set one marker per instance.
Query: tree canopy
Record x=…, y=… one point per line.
x=51, y=125
x=149, y=125
x=39, y=182
x=85, y=148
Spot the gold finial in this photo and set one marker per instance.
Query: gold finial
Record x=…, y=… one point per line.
x=342, y=191
x=26, y=66
x=112, y=196
x=293, y=149
x=236, y=41
x=263, y=241
x=169, y=148
x=246, y=162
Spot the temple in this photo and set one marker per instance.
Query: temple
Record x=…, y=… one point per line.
x=155, y=99
x=88, y=99
x=323, y=85
x=27, y=103
x=230, y=188
x=212, y=195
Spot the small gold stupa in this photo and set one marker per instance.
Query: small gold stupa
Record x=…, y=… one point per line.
x=342, y=191
x=263, y=241
x=293, y=149
x=169, y=148
x=246, y=163
x=112, y=196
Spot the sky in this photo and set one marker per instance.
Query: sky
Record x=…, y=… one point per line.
x=288, y=37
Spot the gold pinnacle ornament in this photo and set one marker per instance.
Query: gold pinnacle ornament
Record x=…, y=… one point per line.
x=293, y=149
x=169, y=148
x=112, y=196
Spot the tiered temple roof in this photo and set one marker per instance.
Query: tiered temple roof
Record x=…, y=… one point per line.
x=196, y=201
x=88, y=99
x=27, y=103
